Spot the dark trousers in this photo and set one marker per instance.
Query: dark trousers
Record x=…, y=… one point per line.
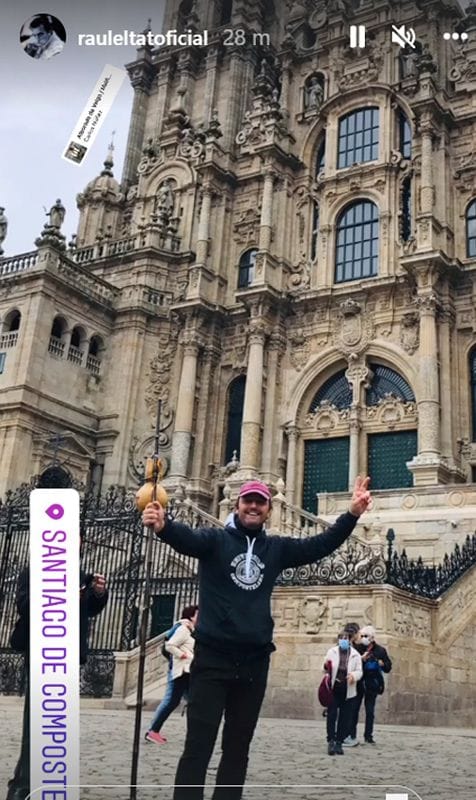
x=19, y=785
x=370, y=699
x=354, y=713
x=179, y=688
x=339, y=714
x=220, y=684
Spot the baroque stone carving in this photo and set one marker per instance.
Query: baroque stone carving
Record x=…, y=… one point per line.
x=246, y=225
x=410, y=332
x=352, y=329
x=300, y=349
x=391, y=410
x=160, y=369
x=326, y=418
x=411, y=621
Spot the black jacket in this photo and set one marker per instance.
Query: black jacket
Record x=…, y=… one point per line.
x=378, y=653
x=238, y=570
x=89, y=606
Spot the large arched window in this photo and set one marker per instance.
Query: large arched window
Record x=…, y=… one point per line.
x=336, y=390
x=471, y=230
x=236, y=399
x=472, y=374
x=358, y=137
x=386, y=381
x=386, y=433
x=357, y=242
x=246, y=268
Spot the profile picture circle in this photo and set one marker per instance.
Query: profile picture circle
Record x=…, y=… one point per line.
x=42, y=36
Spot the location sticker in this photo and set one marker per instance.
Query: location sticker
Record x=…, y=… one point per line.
x=54, y=644
x=94, y=113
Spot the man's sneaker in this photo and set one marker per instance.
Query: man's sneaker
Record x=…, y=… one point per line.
x=350, y=742
x=338, y=751
x=330, y=748
x=154, y=736
x=370, y=740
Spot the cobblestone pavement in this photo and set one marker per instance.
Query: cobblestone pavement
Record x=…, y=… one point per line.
x=433, y=763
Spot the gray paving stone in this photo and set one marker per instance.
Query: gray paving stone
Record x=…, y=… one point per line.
x=434, y=763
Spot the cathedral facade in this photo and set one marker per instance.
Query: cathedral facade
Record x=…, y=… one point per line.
x=288, y=263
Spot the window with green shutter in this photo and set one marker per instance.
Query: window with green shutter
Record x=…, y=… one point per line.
x=388, y=454
x=326, y=469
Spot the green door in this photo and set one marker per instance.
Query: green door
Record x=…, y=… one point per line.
x=388, y=455
x=163, y=610
x=326, y=469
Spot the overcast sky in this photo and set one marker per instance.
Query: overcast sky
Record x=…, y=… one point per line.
x=41, y=102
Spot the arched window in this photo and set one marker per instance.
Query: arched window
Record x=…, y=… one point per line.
x=183, y=14
x=58, y=328
x=386, y=381
x=357, y=242
x=336, y=390
x=246, y=268
x=471, y=230
x=472, y=374
x=406, y=209
x=358, y=137
x=321, y=157
x=315, y=230
x=77, y=336
x=404, y=136
x=76, y=346
x=93, y=361
x=236, y=399
x=226, y=11
x=12, y=321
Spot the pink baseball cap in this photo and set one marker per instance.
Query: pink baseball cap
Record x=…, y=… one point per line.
x=255, y=487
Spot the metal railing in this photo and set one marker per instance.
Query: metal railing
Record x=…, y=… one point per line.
x=8, y=339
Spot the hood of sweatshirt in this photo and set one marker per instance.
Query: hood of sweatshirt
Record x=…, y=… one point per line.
x=250, y=535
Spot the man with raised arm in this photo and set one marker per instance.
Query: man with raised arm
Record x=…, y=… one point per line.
x=239, y=566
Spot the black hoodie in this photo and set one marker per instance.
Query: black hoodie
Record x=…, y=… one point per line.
x=238, y=570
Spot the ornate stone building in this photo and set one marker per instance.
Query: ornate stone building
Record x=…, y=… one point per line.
x=288, y=263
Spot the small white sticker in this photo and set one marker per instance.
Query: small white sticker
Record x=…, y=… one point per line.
x=94, y=113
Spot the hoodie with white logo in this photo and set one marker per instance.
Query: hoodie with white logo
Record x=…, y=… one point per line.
x=237, y=572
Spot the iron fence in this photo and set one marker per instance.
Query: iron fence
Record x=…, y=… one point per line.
x=114, y=544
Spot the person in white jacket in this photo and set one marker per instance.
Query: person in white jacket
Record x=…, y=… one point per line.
x=180, y=646
x=344, y=664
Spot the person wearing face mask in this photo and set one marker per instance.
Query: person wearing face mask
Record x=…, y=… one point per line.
x=375, y=660
x=345, y=666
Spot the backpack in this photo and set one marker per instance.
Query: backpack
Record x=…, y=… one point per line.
x=324, y=692
x=373, y=678
x=168, y=635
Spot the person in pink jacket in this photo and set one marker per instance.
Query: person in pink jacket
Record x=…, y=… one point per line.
x=344, y=664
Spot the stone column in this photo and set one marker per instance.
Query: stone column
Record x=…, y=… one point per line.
x=429, y=394
x=266, y=211
x=292, y=433
x=182, y=437
x=211, y=62
x=141, y=79
x=251, y=425
x=446, y=325
x=204, y=227
x=358, y=376
x=285, y=89
x=206, y=416
x=269, y=433
x=426, y=181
